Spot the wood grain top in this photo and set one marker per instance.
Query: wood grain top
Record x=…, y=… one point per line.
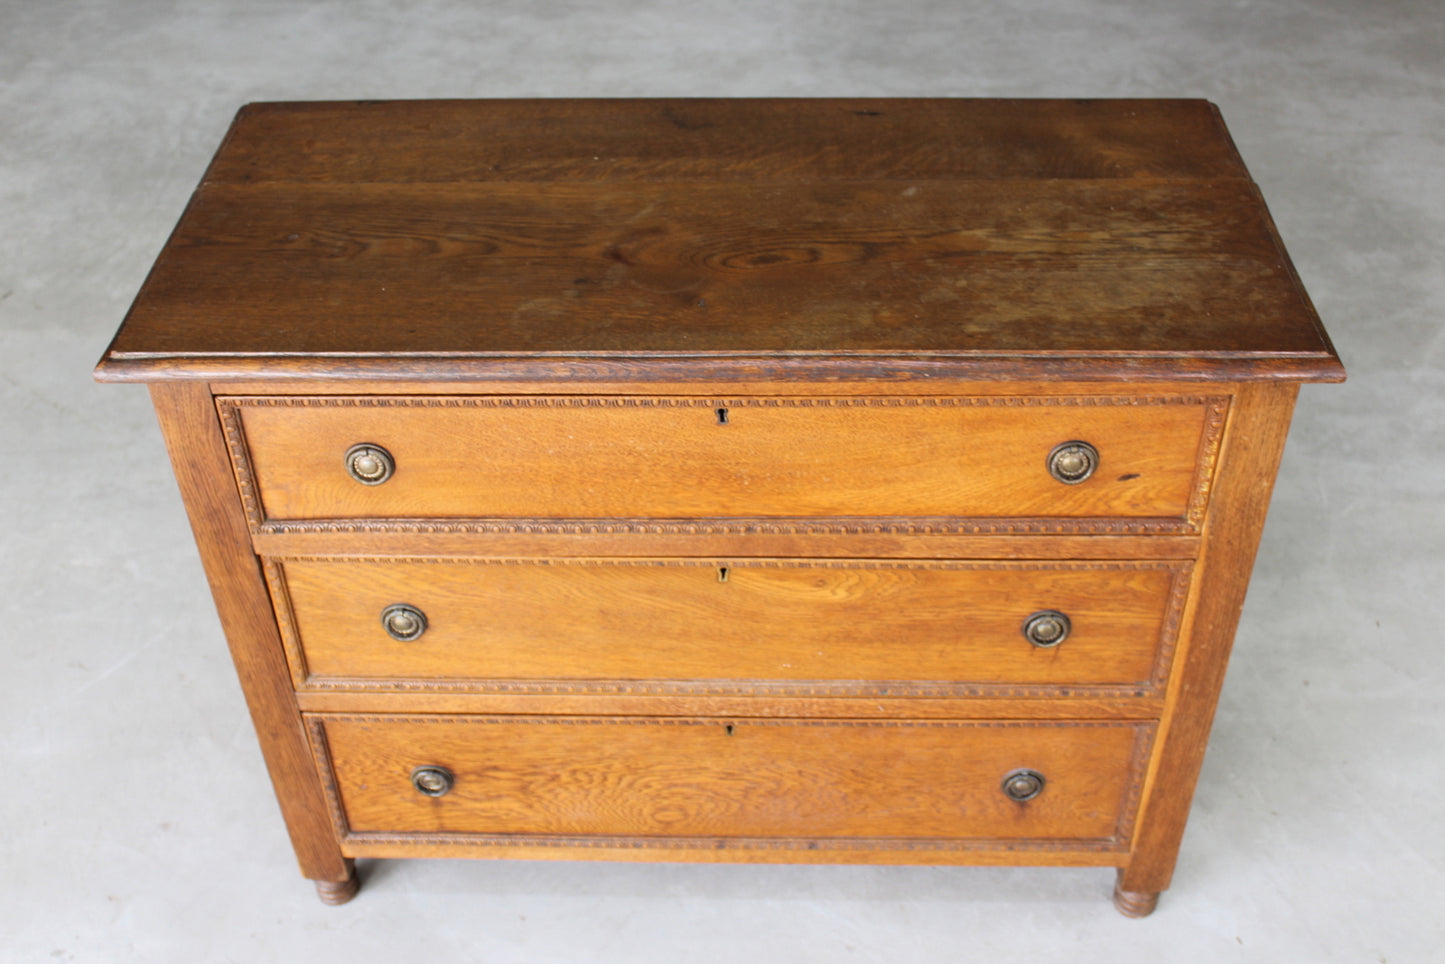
x=666, y=239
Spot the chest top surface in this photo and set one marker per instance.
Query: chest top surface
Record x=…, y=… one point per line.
x=817, y=239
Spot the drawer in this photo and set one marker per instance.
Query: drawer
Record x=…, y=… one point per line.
x=729, y=779
x=749, y=621
x=690, y=458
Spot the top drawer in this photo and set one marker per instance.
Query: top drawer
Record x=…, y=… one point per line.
x=698, y=458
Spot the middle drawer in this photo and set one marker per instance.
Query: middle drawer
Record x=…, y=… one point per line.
x=1048, y=624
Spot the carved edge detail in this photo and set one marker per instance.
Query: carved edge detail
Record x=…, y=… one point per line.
x=692, y=401
x=321, y=754
x=321, y=718
x=1180, y=565
x=812, y=844
x=285, y=621
x=849, y=526
x=1216, y=408
x=1169, y=630
x=316, y=727
x=240, y=461
x=905, y=689
x=1134, y=788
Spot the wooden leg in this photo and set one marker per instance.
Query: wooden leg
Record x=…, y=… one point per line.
x=1135, y=903
x=1258, y=420
x=339, y=891
x=187, y=415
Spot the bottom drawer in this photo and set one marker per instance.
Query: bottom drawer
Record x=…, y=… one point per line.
x=730, y=783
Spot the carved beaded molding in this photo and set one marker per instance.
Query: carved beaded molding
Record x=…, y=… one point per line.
x=680, y=401
x=1215, y=409
x=286, y=622
x=751, y=563
x=770, y=527
x=715, y=844
x=1152, y=687
x=1144, y=733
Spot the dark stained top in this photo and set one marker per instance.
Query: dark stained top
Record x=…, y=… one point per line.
x=638, y=239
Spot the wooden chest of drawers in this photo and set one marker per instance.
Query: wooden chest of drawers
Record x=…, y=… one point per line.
x=869, y=481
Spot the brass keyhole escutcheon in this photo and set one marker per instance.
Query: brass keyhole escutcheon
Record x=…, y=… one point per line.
x=1073, y=462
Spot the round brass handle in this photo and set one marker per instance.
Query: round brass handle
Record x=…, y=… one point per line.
x=1047, y=628
x=1021, y=785
x=403, y=622
x=432, y=781
x=1073, y=462
x=369, y=464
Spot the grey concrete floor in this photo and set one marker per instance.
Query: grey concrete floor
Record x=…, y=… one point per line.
x=137, y=821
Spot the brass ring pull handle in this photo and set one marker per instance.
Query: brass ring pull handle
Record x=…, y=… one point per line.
x=1021, y=785
x=369, y=464
x=1047, y=628
x=1073, y=462
x=403, y=622
x=432, y=781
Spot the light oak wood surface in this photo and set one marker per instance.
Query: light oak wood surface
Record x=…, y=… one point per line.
x=686, y=777
x=753, y=620
x=629, y=457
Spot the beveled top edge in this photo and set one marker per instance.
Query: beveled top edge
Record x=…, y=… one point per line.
x=499, y=370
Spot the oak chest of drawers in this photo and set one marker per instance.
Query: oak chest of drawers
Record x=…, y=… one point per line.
x=870, y=480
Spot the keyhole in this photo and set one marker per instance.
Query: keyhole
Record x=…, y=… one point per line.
x=729, y=729
x=722, y=416
x=722, y=574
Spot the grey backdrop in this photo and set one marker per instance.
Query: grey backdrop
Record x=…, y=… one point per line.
x=135, y=819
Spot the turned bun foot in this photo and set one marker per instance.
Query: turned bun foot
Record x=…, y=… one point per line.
x=1135, y=903
x=335, y=892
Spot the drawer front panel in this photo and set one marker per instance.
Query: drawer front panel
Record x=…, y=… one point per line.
x=712, y=778
x=754, y=620
x=640, y=458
